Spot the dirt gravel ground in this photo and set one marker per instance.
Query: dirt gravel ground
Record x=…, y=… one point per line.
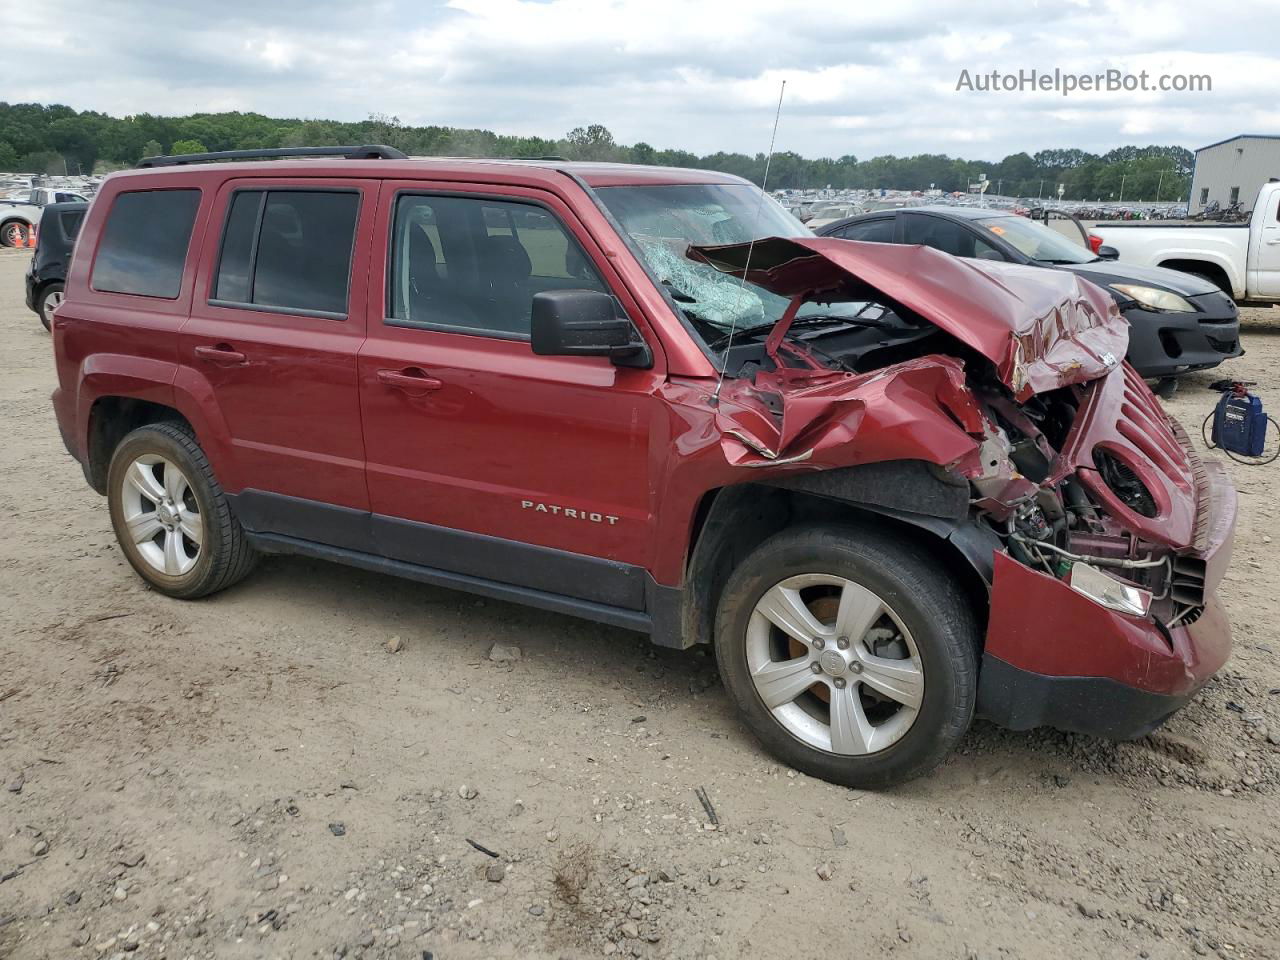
x=258, y=775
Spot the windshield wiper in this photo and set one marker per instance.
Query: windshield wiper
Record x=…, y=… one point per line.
x=1059, y=263
x=818, y=320
x=811, y=321
x=676, y=295
x=723, y=341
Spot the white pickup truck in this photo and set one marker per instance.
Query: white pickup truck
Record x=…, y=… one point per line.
x=1242, y=259
x=18, y=216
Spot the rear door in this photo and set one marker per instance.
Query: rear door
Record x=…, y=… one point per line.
x=483, y=458
x=275, y=328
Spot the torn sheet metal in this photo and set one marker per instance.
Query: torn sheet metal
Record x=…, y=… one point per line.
x=1042, y=329
x=918, y=410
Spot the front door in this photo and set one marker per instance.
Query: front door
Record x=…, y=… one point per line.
x=1266, y=253
x=274, y=332
x=484, y=459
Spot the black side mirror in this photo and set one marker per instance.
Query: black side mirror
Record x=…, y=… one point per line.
x=1108, y=253
x=585, y=323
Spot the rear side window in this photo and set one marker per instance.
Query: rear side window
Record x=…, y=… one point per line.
x=144, y=243
x=876, y=231
x=70, y=223
x=288, y=251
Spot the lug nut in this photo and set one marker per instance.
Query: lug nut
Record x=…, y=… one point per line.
x=839, y=683
x=843, y=643
x=815, y=667
x=819, y=644
x=855, y=667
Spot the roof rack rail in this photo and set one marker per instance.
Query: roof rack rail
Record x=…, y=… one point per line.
x=373, y=151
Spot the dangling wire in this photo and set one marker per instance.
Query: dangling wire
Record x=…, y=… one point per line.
x=755, y=228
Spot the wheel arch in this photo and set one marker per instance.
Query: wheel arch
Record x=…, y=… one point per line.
x=732, y=521
x=1211, y=269
x=111, y=419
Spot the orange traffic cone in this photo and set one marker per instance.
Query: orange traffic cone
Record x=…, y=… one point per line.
x=31, y=235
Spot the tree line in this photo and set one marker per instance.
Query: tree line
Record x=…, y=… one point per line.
x=51, y=138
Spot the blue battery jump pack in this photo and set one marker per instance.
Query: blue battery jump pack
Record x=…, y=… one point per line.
x=1239, y=423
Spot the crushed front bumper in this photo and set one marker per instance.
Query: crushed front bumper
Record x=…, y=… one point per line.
x=1054, y=657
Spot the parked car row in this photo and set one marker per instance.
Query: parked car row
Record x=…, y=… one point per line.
x=893, y=487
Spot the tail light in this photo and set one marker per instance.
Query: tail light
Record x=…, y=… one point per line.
x=1095, y=243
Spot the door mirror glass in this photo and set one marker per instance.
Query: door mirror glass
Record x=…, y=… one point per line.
x=1108, y=253
x=585, y=323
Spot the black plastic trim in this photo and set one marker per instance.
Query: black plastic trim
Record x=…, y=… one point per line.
x=373, y=151
x=260, y=511
x=540, y=568
x=1099, y=706
x=588, y=610
x=522, y=565
x=271, y=308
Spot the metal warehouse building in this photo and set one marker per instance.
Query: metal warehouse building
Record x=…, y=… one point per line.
x=1232, y=170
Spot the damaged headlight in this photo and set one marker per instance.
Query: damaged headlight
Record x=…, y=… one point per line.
x=1099, y=587
x=1154, y=298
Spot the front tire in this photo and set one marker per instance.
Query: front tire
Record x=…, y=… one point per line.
x=171, y=517
x=850, y=655
x=48, y=301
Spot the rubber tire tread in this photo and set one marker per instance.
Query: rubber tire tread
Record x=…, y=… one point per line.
x=912, y=580
x=44, y=295
x=232, y=556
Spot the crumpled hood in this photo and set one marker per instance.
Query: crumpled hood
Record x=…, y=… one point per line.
x=1042, y=329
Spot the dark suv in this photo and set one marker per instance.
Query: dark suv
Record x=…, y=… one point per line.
x=55, y=242
x=875, y=477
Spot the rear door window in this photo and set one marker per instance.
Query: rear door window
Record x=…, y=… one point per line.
x=947, y=236
x=144, y=243
x=288, y=251
x=70, y=223
x=876, y=231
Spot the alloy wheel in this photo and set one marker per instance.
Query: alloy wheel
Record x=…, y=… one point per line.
x=834, y=664
x=51, y=302
x=162, y=515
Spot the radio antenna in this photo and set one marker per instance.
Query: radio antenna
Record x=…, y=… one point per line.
x=755, y=228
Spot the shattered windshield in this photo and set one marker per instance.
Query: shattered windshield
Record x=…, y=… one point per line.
x=664, y=221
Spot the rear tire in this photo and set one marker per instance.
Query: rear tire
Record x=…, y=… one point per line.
x=171, y=517
x=47, y=302
x=874, y=679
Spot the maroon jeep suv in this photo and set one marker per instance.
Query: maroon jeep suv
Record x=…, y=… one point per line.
x=893, y=488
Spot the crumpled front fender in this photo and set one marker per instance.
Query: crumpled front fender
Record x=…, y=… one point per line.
x=918, y=410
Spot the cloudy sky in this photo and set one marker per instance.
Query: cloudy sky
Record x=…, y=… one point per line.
x=865, y=78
